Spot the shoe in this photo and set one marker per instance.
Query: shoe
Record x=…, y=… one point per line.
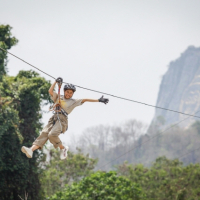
x=63, y=153
x=27, y=151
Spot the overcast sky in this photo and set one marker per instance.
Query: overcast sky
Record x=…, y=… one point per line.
x=121, y=47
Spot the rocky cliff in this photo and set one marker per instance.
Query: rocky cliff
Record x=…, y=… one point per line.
x=180, y=89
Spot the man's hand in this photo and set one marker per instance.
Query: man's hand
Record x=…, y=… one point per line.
x=59, y=80
x=103, y=100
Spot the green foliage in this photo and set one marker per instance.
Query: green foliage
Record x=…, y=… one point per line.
x=21, y=99
x=58, y=172
x=9, y=118
x=12, y=167
x=6, y=42
x=101, y=185
x=166, y=179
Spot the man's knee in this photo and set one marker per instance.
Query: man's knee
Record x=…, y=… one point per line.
x=53, y=138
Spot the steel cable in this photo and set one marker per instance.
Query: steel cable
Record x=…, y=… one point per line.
x=134, y=101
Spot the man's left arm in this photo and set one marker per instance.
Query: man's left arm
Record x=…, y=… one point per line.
x=102, y=100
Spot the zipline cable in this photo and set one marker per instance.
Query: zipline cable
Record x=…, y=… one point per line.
x=175, y=111
x=144, y=142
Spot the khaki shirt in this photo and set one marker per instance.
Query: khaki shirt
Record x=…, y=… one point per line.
x=67, y=104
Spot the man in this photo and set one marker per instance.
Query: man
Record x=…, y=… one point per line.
x=58, y=123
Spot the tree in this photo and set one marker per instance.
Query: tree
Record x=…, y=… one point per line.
x=108, y=142
x=21, y=100
x=166, y=179
x=6, y=42
x=196, y=125
x=101, y=185
x=57, y=173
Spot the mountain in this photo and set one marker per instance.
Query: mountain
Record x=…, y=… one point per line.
x=180, y=89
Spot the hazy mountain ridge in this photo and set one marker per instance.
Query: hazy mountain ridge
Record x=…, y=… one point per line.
x=180, y=88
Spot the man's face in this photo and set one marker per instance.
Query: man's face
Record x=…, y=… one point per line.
x=68, y=94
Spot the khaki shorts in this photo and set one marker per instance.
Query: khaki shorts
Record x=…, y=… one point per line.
x=51, y=131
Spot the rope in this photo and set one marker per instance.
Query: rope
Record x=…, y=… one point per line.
x=104, y=92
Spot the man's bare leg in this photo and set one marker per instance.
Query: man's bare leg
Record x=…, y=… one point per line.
x=63, y=149
x=61, y=146
x=34, y=147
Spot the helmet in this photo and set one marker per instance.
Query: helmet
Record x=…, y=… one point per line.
x=70, y=87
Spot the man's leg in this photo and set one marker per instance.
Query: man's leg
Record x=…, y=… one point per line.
x=39, y=142
x=55, y=140
x=34, y=147
x=53, y=135
x=61, y=146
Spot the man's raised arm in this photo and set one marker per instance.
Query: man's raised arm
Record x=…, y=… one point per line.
x=52, y=88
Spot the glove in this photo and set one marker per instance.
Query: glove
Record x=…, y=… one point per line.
x=59, y=80
x=103, y=100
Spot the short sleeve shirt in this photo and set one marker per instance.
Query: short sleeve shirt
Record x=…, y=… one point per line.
x=67, y=104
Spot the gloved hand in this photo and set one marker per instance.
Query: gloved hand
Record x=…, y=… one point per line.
x=59, y=80
x=103, y=100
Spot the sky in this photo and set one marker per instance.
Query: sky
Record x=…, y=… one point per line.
x=121, y=47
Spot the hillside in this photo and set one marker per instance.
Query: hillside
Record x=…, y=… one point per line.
x=180, y=89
